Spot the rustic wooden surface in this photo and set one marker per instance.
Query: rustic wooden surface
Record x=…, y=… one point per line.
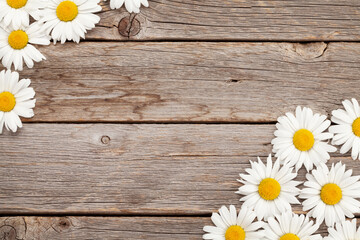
x=247, y=20
x=141, y=135
x=79, y=228
x=191, y=82
x=188, y=169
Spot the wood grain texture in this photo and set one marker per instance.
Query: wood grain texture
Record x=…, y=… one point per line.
x=249, y=20
x=162, y=181
x=100, y=228
x=129, y=169
x=191, y=82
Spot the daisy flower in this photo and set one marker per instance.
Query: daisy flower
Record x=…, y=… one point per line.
x=269, y=189
x=345, y=230
x=15, y=13
x=300, y=139
x=16, y=99
x=130, y=5
x=290, y=226
x=232, y=226
x=330, y=195
x=70, y=19
x=347, y=132
x=16, y=46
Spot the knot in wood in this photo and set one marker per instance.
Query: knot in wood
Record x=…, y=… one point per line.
x=64, y=223
x=129, y=26
x=310, y=50
x=105, y=140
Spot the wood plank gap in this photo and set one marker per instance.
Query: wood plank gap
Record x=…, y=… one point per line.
x=115, y=214
x=92, y=40
x=153, y=122
x=102, y=214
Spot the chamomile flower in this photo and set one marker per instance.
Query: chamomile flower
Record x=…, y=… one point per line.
x=232, y=226
x=300, y=139
x=130, y=5
x=347, y=132
x=70, y=19
x=270, y=189
x=290, y=226
x=345, y=230
x=15, y=13
x=16, y=99
x=330, y=195
x=16, y=46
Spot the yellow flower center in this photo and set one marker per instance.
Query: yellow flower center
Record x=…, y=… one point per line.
x=16, y=3
x=331, y=194
x=356, y=127
x=67, y=11
x=289, y=236
x=269, y=189
x=303, y=140
x=235, y=233
x=7, y=101
x=18, y=39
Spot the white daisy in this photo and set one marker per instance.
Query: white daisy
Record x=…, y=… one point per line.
x=300, y=139
x=15, y=13
x=16, y=99
x=345, y=230
x=347, y=132
x=231, y=226
x=269, y=189
x=16, y=46
x=290, y=226
x=130, y=5
x=330, y=195
x=70, y=19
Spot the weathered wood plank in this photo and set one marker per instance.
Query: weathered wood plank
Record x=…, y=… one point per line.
x=99, y=228
x=128, y=169
x=96, y=228
x=301, y=20
x=191, y=82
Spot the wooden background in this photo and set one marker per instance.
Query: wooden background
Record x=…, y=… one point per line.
x=141, y=135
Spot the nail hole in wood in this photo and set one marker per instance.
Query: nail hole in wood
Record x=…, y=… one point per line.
x=105, y=140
